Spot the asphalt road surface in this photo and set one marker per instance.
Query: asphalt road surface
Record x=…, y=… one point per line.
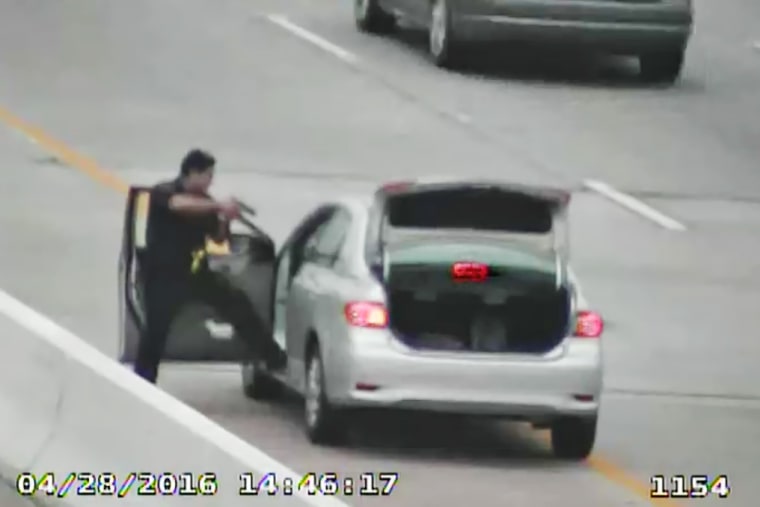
x=94, y=94
x=10, y=498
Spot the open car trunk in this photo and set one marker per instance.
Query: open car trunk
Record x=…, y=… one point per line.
x=516, y=307
x=512, y=297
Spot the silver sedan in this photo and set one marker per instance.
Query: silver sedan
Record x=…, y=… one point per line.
x=450, y=297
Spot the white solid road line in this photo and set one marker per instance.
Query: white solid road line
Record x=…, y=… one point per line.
x=634, y=205
x=171, y=407
x=313, y=38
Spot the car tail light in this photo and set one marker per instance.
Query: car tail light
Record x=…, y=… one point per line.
x=588, y=325
x=366, y=314
x=469, y=271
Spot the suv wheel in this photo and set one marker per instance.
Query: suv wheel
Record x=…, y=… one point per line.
x=443, y=47
x=573, y=437
x=370, y=17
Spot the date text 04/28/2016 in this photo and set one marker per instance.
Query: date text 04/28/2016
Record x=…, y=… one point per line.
x=110, y=484
x=366, y=484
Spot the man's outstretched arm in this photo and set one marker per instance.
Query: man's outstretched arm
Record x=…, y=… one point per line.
x=194, y=205
x=190, y=204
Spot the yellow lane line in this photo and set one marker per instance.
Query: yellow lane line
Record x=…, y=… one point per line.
x=625, y=479
x=616, y=474
x=84, y=164
x=91, y=169
x=64, y=153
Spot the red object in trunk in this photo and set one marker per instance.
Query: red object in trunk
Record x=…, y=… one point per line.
x=469, y=271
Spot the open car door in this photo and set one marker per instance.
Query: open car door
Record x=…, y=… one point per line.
x=197, y=333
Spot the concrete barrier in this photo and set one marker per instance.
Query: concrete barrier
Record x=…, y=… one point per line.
x=67, y=408
x=31, y=376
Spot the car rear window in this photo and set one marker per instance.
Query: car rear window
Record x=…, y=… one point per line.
x=488, y=209
x=448, y=253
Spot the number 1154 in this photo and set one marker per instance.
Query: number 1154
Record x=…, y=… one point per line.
x=689, y=486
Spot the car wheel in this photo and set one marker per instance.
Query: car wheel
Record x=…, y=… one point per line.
x=257, y=385
x=370, y=17
x=324, y=423
x=663, y=66
x=443, y=46
x=573, y=437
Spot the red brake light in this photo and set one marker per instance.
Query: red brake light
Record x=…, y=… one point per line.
x=396, y=186
x=588, y=325
x=469, y=271
x=366, y=314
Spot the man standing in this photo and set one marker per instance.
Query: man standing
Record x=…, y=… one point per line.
x=180, y=218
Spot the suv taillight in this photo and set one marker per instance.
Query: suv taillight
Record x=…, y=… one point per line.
x=588, y=325
x=366, y=314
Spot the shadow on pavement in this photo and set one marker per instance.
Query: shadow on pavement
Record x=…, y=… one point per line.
x=383, y=435
x=434, y=437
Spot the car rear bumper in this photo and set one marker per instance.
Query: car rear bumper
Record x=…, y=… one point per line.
x=609, y=25
x=397, y=378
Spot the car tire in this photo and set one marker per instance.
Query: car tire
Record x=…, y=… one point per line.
x=257, y=385
x=662, y=66
x=573, y=437
x=325, y=424
x=443, y=46
x=371, y=18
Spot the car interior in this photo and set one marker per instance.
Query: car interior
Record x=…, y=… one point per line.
x=476, y=317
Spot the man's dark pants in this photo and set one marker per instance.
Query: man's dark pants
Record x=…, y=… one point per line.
x=164, y=297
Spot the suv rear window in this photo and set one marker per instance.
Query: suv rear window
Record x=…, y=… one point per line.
x=487, y=209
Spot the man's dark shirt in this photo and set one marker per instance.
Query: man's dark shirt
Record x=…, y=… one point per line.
x=172, y=237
